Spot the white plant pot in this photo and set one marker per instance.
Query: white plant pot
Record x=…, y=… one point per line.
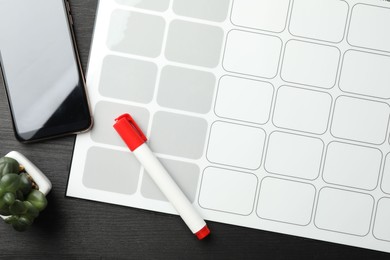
x=40, y=179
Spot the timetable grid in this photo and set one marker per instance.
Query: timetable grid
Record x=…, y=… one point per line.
x=269, y=114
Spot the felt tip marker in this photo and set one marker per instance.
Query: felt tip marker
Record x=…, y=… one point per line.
x=132, y=135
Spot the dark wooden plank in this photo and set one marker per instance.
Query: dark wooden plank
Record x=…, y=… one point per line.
x=72, y=228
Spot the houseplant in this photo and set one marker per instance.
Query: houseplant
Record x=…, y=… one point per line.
x=23, y=190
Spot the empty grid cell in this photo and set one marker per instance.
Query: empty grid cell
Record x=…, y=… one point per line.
x=102, y=173
x=344, y=211
x=160, y=5
x=178, y=135
x=302, y=110
x=236, y=145
x=369, y=27
x=136, y=33
x=194, y=43
x=186, y=175
x=228, y=191
x=128, y=79
x=381, y=224
x=310, y=64
x=261, y=14
x=366, y=74
x=244, y=99
x=215, y=10
x=360, y=120
x=386, y=176
x=252, y=54
x=286, y=201
x=294, y=155
x=104, y=116
x=321, y=20
x=352, y=165
x=186, y=89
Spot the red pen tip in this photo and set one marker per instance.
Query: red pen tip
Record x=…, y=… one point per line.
x=204, y=232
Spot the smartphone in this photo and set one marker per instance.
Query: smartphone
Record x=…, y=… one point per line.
x=41, y=69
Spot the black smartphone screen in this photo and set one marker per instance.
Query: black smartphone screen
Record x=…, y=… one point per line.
x=41, y=70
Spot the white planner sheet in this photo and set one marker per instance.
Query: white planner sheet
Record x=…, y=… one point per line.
x=269, y=114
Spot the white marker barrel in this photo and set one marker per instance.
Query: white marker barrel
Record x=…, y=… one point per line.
x=169, y=188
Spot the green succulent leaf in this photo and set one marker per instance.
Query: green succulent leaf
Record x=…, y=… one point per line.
x=10, y=182
x=37, y=199
x=25, y=184
x=2, y=203
x=19, y=195
x=18, y=208
x=32, y=211
x=5, y=212
x=19, y=226
x=11, y=219
x=25, y=221
x=9, y=198
x=8, y=165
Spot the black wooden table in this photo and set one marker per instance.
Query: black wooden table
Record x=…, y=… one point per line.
x=72, y=228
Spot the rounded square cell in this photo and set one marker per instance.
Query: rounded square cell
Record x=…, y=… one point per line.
x=128, y=79
x=194, y=43
x=310, y=64
x=178, y=135
x=386, y=176
x=366, y=74
x=104, y=170
x=252, y=54
x=294, y=155
x=286, y=201
x=228, y=191
x=244, y=99
x=344, y=211
x=135, y=33
x=360, y=120
x=369, y=27
x=321, y=20
x=381, y=224
x=261, y=14
x=236, y=145
x=302, y=110
x=215, y=10
x=159, y=5
x=186, y=89
x=352, y=165
x=186, y=175
x=104, y=117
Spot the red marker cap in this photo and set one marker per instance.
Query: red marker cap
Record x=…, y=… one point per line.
x=130, y=132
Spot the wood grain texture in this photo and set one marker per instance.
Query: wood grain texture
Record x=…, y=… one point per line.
x=78, y=229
